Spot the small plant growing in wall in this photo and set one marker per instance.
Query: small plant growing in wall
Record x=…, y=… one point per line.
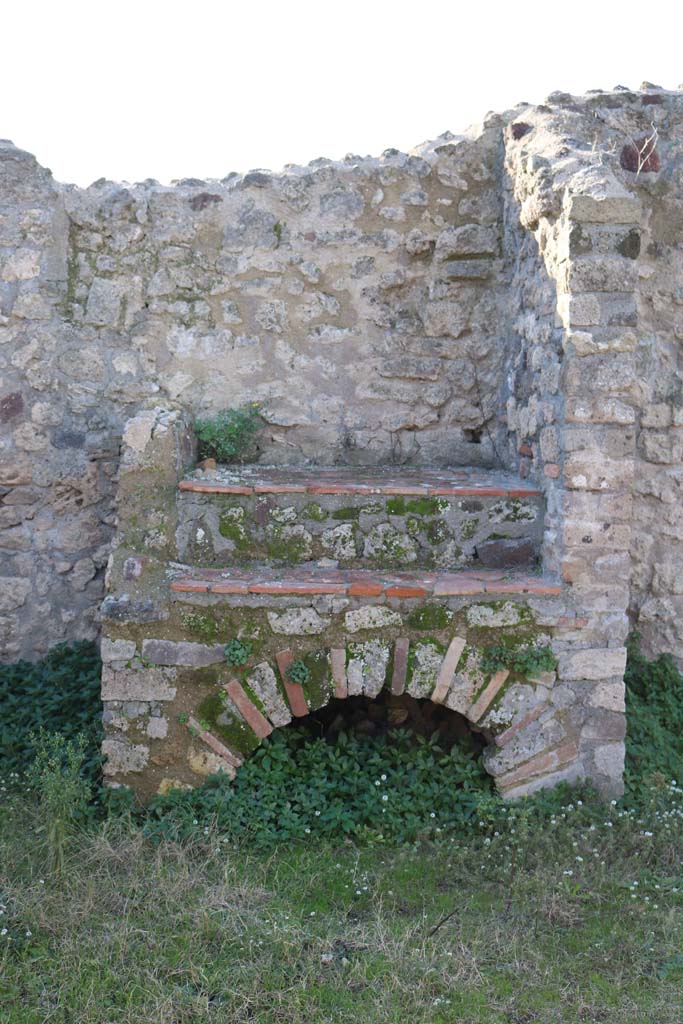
x=299, y=672
x=237, y=652
x=524, y=660
x=229, y=435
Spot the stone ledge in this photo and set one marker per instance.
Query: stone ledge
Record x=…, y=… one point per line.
x=252, y=480
x=354, y=582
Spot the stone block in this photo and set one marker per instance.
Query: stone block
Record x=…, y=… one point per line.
x=116, y=650
x=593, y=663
x=297, y=622
x=122, y=758
x=263, y=682
x=604, y=209
x=602, y=274
x=367, y=667
x=494, y=616
x=505, y=553
x=148, y=684
x=371, y=617
x=185, y=653
x=13, y=592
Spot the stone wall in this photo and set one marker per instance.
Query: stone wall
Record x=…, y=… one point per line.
x=361, y=304
x=509, y=298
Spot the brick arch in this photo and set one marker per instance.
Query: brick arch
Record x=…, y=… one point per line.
x=292, y=703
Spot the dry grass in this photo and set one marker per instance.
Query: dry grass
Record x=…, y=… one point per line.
x=168, y=934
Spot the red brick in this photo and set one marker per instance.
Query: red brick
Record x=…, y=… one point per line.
x=295, y=587
x=280, y=488
x=327, y=489
x=249, y=712
x=215, y=744
x=228, y=587
x=540, y=765
x=503, y=738
x=365, y=589
x=487, y=696
x=398, y=679
x=484, y=492
x=213, y=488
x=295, y=692
x=447, y=670
x=523, y=492
x=525, y=449
x=405, y=592
x=523, y=585
x=457, y=584
x=408, y=490
x=190, y=586
x=567, y=622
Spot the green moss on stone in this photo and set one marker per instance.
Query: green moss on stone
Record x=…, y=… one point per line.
x=396, y=507
x=418, y=506
x=512, y=510
x=468, y=529
x=235, y=732
x=430, y=616
x=254, y=697
x=231, y=528
x=289, y=550
x=318, y=687
x=413, y=526
x=348, y=512
x=437, y=531
x=315, y=512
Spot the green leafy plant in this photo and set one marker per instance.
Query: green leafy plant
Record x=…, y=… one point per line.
x=389, y=788
x=238, y=652
x=299, y=672
x=60, y=693
x=229, y=435
x=654, y=712
x=63, y=791
x=524, y=659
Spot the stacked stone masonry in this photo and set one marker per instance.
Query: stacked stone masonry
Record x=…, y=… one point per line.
x=498, y=312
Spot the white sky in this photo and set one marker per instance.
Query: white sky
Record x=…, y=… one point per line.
x=156, y=88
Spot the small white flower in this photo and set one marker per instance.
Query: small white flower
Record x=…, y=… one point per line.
x=385, y=797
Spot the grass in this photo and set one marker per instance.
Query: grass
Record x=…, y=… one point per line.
x=569, y=917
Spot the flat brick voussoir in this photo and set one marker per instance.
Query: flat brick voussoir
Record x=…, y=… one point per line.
x=541, y=764
x=448, y=668
x=487, y=696
x=257, y=722
x=294, y=691
x=215, y=744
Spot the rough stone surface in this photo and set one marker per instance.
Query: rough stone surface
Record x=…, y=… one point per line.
x=371, y=617
x=263, y=681
x=297, y=622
